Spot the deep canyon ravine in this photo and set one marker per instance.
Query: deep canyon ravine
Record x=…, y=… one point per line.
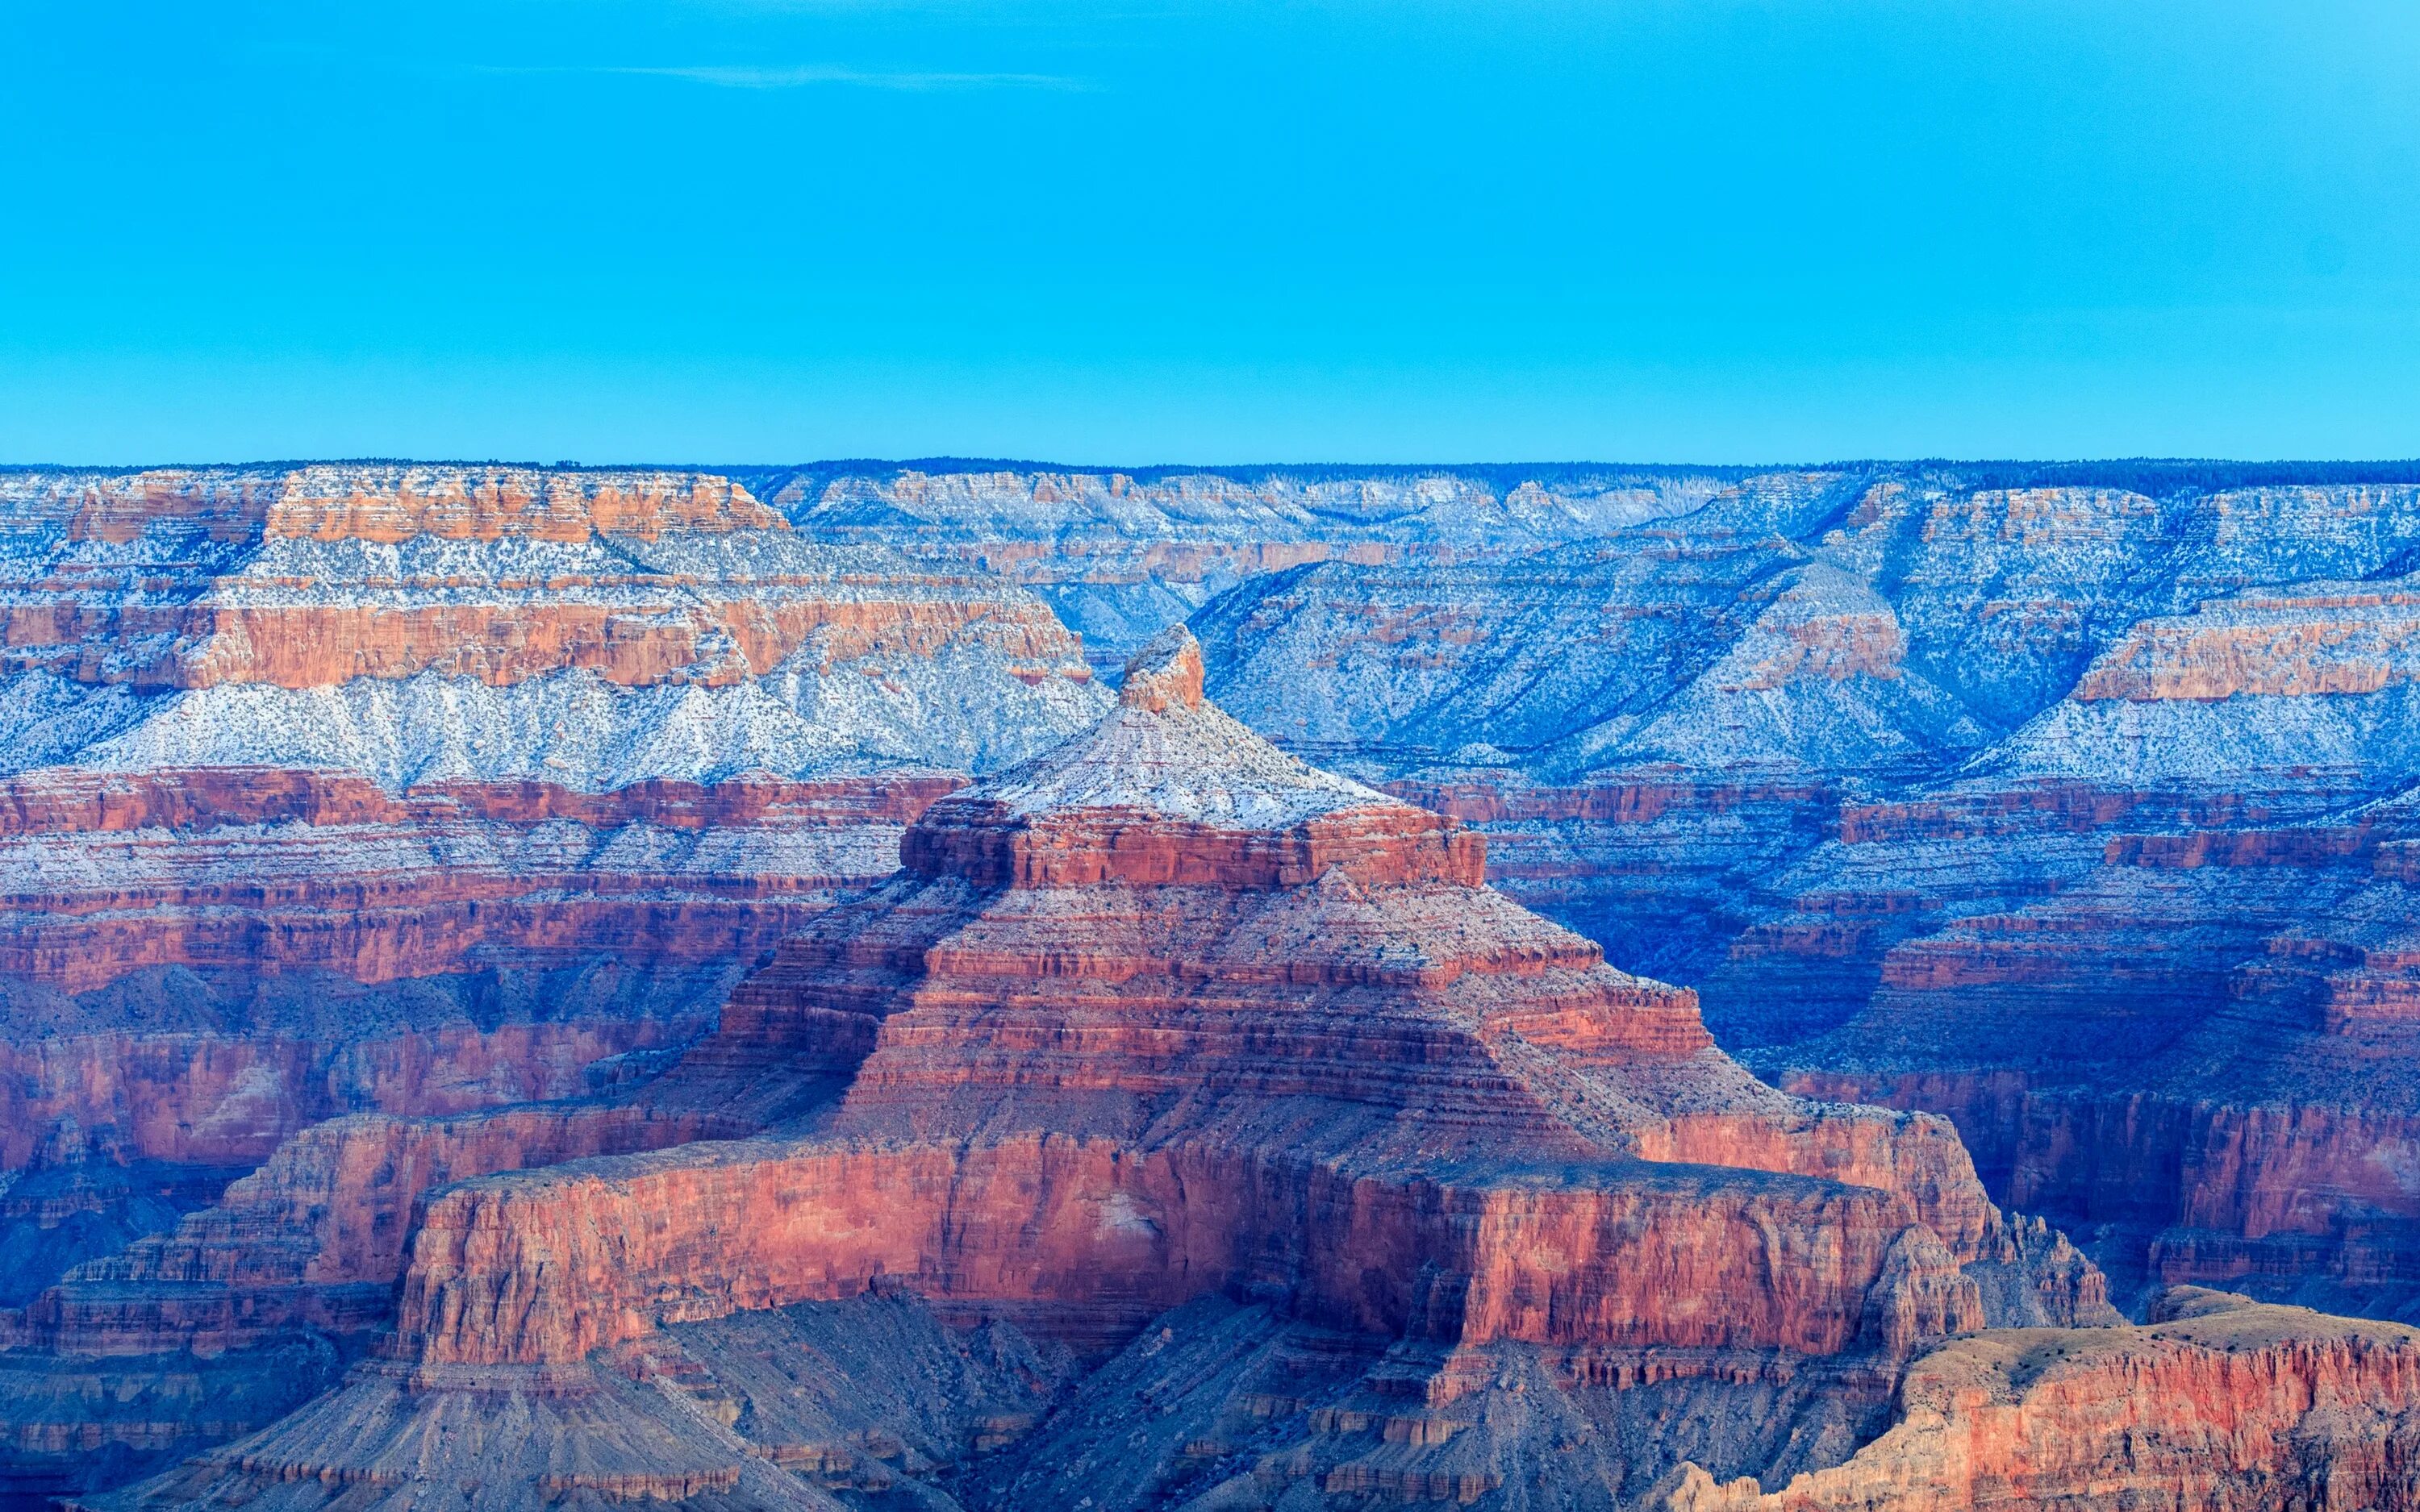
x=1857, y=987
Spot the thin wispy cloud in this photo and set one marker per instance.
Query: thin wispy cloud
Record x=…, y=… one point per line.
x=808, y=75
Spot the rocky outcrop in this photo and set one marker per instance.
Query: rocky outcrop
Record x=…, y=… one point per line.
x=411, y=793
x=315, y=1237
x=1120, y=555
x=545, y=758
x=1171, y=937
x=1161, y=1018
x=814, y=1406
x=2217, y=1403
x=2069, y=811
x=1223, y=1404
x=1086, y=1239
x=67, y=1424
x=432, y=623
x=268, y=873
x=2063, y=805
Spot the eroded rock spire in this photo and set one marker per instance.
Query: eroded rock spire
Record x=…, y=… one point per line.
x=1166, y=674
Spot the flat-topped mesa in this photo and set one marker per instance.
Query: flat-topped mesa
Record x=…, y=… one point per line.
x=329, y=576
x=1170, y=791
x=397, y=503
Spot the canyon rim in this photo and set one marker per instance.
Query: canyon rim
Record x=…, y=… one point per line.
x=986, y=987
x=1289, y=960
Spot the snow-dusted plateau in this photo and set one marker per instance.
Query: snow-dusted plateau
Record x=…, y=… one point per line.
x=970, y=987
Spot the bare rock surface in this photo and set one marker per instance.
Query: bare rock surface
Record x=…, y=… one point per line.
x=2217, y=1403
x=2073, y=806
x=1159, y=1023
x=406, y=792
x=1191, y=1118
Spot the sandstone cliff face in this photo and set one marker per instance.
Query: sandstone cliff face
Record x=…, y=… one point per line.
x=2063, y=807
x=412, y=791
x=1161, y=1019
x=388, y=724
x=394, y=722
x=2070, y=812
x=1140, y=937
x=1085, y=1240
x=315, y=1237
x=2219, y=1403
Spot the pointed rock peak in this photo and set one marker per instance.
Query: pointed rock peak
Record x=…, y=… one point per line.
x=1166, y=751
x=1167, y=789
x=1177, y=756
x=1335, y=883
x=1165, y=675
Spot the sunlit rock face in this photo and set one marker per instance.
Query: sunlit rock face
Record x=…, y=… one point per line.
x=414, y=791
x=512, y=999
x=2077, y=812
x=1162, y=1021
x=2219, y=1402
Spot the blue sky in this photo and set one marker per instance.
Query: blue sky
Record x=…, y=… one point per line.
x=768, y=230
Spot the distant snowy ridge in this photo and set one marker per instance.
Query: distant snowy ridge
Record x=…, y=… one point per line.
x=420, y=624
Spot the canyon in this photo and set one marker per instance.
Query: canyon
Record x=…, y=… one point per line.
x=2073, y=812
x=366, y=792
x=511, y=994
x=1160, y=1024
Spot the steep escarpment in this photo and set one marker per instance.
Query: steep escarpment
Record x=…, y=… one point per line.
x=382, y=724
x=427, y=623
x=1119, y=555
x=412, y=791
x=1162, y=1022
x=498, y=865
x=2073, y=812
x=201, y=964
x=2217, y=1403
x=814, y=1406
x=315, y=1237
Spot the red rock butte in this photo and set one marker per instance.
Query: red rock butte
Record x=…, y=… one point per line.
x=1161, y=1017
x=1201, y=1016
x=510, y=1001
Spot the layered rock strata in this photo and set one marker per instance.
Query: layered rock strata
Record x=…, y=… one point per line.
x=2218, y=1403
x=376, y=725
x=421, y=625
x=815, y=1406
x=2073, y=812
x=1122, y=554
x=406, y=792
x=2066, y=805
x=1163, y=1015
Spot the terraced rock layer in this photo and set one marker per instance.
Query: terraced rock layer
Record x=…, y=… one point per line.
x=2068, y=807
x=377, y=725
x=2218, y=1403
x=2076, y=813
x=408, y=792
x=1162, y=1019
x=1122, y=554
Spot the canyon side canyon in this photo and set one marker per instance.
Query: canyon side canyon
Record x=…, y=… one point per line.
x=972, y=987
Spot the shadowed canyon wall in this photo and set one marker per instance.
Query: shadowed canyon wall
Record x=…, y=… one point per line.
x=409, y=792
x=383, y=846
x=2073, y=809
x=1160, y=1023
